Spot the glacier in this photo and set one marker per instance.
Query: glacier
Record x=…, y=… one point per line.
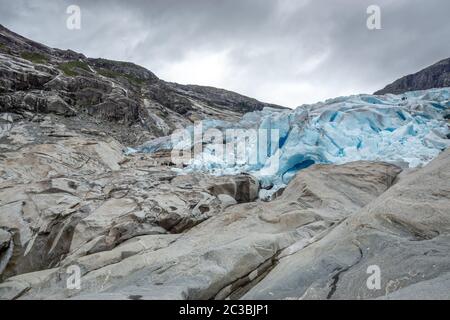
x=409, y=129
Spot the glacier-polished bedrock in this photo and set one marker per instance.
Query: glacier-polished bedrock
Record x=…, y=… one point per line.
x=408, y=129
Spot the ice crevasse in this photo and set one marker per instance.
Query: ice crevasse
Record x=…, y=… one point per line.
x=408, y=129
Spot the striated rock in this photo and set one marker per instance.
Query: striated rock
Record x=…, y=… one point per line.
x=315, y=241
x=404, y=232
x=230, y=252
x=20, y=284
x=434, y=289
x=227, y=200
x=242, y=188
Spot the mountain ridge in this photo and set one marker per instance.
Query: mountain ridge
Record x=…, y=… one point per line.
x=434, y=76
x=120, y=98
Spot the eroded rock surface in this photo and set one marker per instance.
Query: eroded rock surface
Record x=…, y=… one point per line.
x=404, y=232
x=137, y=229
x=147, y=232
x=70, y=198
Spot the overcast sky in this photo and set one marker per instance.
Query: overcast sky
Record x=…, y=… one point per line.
x=287, y=52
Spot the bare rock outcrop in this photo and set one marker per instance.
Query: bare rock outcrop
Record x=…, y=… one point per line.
x=222, y=257
x=404, y=233
x=136, y=229
x=64, y=193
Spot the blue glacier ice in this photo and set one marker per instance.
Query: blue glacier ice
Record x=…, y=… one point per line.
x=408, y=129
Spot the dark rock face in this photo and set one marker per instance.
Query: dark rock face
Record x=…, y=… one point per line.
x=84, y=196
x=121, y=99
x=435, y=76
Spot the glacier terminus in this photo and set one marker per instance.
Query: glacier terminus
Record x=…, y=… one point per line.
x=408, y=129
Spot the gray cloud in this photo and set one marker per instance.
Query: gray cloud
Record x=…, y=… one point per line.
x=282, y=51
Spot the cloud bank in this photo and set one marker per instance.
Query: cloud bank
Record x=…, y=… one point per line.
x=287, y=52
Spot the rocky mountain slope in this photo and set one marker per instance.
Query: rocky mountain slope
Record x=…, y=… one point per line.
x=435, y=76
x=135, y=229
x=120, y=99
